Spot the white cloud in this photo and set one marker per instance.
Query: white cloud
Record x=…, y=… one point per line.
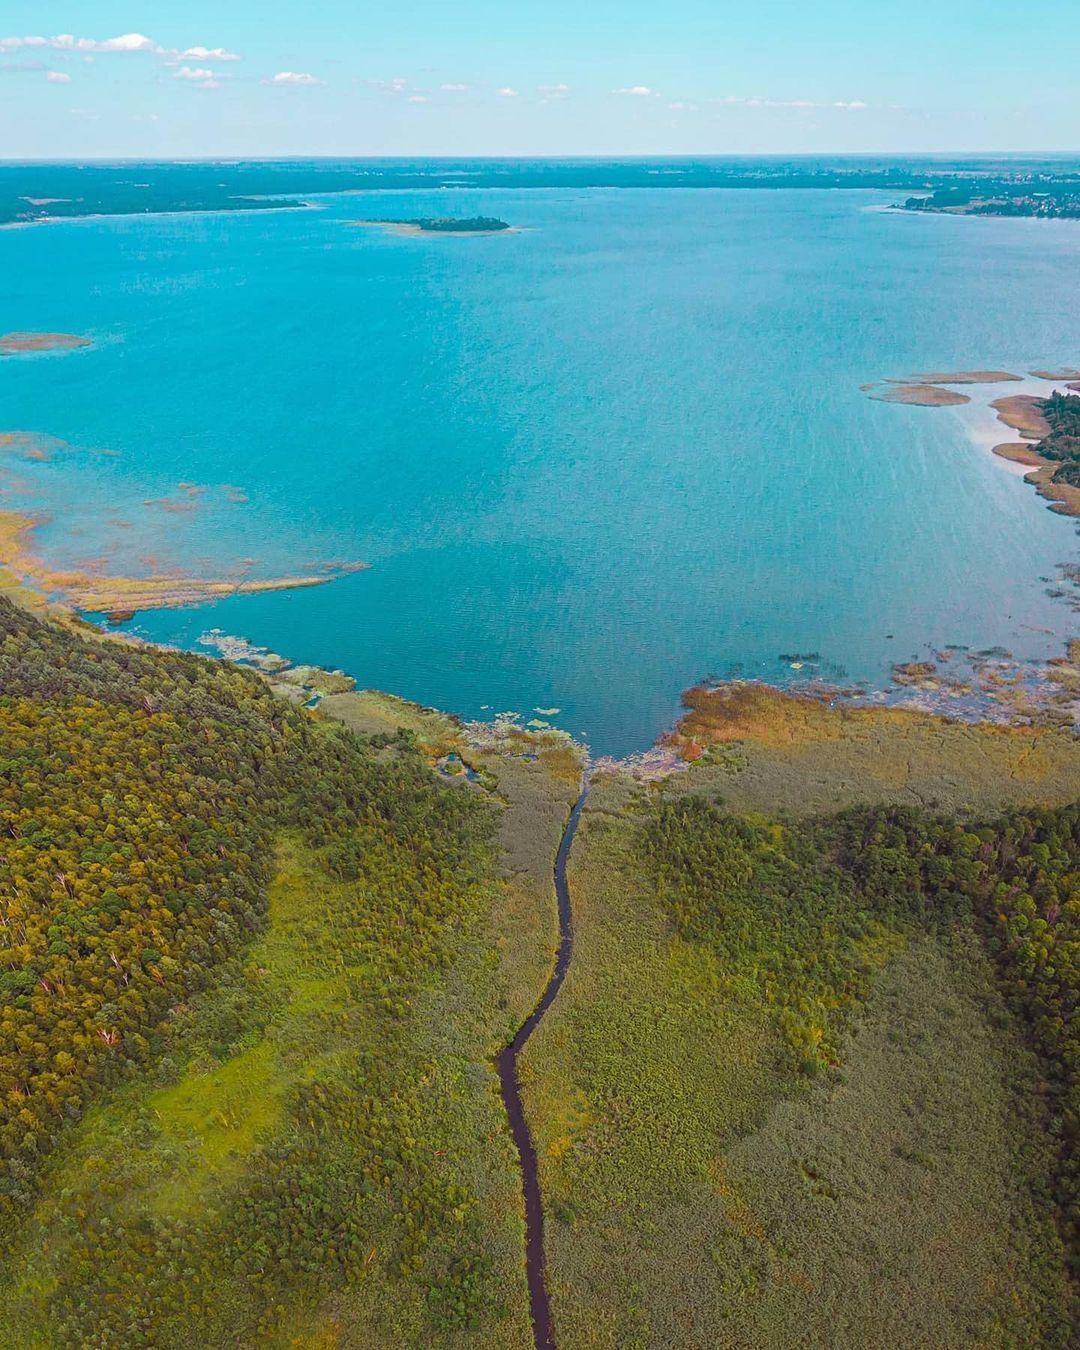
x=554, y=90
x=58, y=77
x=453, y=88
x=507, y=92
x=126, y=42
x=193, y=73
x=798, y=104
x=417, y=98
x=208, y=54
x=635, y=91
x=295, y=77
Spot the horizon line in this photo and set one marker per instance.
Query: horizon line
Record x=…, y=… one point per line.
x=489, y=157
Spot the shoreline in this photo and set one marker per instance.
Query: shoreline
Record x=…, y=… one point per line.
x=122, y=597
x=1019, y=412
x=117, y=599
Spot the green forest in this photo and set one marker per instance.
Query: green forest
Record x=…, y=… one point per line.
x=220, y=1101
x=255, y=966
x=1062, y=412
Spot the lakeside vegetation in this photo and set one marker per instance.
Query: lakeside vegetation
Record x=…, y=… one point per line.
x=1046, y=195
x=253, y=971
x=809, y=1082
x=452, y=225
x=813, y=1076
x=1062, y=444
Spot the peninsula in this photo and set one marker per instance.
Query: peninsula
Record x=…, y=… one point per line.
x=1045, y=199
x=1050, y=427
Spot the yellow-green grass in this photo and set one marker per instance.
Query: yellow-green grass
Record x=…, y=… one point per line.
x=371, y=713
x=181, y=1155
x=173, y=1156
x=701, y=1191
x=777, y=753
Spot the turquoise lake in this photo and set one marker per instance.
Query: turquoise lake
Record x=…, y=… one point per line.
x=589, y=463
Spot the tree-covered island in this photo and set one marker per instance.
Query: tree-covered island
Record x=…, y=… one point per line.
x=455, y=225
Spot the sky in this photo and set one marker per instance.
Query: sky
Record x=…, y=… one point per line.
x=154, y=78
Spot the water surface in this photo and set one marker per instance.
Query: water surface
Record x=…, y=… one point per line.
x=589, y=463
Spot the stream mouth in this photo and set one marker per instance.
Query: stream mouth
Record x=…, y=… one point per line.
x=507, y=1065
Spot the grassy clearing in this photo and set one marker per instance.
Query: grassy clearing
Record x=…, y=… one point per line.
x=371, y=713
x=710, y=1185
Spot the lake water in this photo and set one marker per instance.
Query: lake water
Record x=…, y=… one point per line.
x=589, y=463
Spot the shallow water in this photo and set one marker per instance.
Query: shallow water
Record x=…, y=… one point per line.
x=590, y=463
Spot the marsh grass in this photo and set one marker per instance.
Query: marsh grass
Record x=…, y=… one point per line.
x=712, y=1184
x=796, y=755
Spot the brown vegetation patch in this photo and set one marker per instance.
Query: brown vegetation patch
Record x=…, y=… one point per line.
x=1024, y=414
x=101, y=594
x=174, y=505
x=765, y=750
x=1056, y=375
x=1020, y=452
x=747, y=711
x=920, y=396
x=914, y=673
x=12, y=344
x=1064, y=499
x=967, y=377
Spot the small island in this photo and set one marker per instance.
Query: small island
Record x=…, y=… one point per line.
x=17, y=344
x=468, y=226
x=918, y=395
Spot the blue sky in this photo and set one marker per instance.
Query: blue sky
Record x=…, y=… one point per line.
x=265, y=77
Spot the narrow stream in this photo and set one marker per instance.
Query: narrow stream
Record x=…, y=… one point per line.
x=506, y=1063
